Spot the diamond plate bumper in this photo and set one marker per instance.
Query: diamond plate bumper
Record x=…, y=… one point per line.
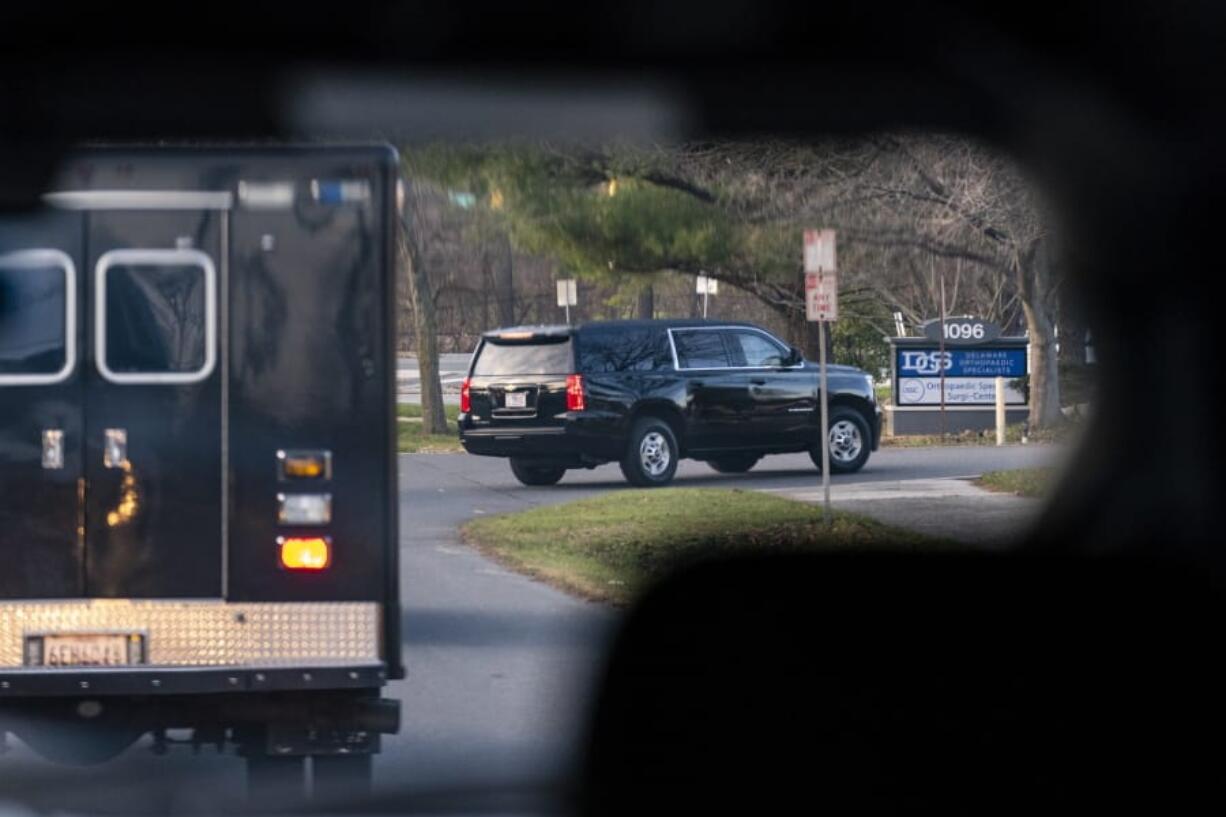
x=207, y=633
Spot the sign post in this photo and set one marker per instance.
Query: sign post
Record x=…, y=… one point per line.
x=944, y=331
x=822, y=306
x=707, y=286
x=568, y=295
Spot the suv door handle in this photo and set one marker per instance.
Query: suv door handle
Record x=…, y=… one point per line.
x=758, y=381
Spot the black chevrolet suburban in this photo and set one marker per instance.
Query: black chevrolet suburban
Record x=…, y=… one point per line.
x=647, y=393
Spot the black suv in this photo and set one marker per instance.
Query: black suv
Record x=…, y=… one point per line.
x=646, y=393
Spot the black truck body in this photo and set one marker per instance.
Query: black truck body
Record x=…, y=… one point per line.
x=197, y=426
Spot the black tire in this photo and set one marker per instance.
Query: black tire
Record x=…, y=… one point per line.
x=530, y=474
x=275, y=781
x=651, y=454
x=58, y=731
x=734, y=463
x=340, y=779
x=842, y=459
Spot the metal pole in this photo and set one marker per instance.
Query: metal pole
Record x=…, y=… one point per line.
x=706, y=290
x=942, y=350
x=1000, y=411
x=568, y=312
x=825, y=429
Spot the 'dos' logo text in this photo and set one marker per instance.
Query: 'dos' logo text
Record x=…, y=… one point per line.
x=926, y=362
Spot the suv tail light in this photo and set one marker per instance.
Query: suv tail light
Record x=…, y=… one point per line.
x=466, y=397
x=574, y=393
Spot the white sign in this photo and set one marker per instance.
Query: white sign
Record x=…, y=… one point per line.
x=821, y=296
x=568, y=294
x=926, y=391
x=707, y=286
x=819, y=251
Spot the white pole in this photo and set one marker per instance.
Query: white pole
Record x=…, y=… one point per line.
x=568, y=312
x=1000, y=411
x=825, y=429
x=706, y=290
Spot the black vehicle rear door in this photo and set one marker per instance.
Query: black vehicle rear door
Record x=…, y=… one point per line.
x=153, y=398
x=719, y=403
x=41, y=546
x=521, y=381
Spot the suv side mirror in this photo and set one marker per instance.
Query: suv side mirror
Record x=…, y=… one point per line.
x=794, y=357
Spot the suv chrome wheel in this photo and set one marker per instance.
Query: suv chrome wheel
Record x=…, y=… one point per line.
x=846, y=443
x=655, y=454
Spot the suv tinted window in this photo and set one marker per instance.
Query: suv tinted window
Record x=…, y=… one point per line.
x=547, y=357
x=755, y=349
x=700, y=349
x=33, y=336
x=609, y=349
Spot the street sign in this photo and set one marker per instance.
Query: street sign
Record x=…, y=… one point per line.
x=567, y=292
x=707, y=286
x=819, y=251
x=822, y=304
x=821, y=277
x=821, y=296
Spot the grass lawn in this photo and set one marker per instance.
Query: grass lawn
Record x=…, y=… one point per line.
x=1032, y=482
x=610, y=547
x=410, y=440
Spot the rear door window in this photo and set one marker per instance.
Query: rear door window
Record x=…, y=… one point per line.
x=157, y=316
x=700, y=349
x=37, y=317
x=552, y=356
x=609, y=350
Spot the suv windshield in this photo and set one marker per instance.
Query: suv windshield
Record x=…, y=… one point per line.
x=551, y=356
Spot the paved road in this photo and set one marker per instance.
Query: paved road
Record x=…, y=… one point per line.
x=501, y=667
x=452, y=369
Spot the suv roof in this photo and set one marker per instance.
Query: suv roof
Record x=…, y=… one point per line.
x=556, y=330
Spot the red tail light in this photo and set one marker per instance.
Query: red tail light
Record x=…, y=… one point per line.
x=466, y=398
x=574, y=393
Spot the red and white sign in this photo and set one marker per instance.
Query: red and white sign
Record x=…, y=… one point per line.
x=821, y=280
x=819, y=251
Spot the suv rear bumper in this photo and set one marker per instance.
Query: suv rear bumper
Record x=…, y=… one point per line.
x=578, y=442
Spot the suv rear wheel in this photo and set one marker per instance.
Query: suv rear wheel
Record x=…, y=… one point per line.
x=530, y=474
x=734, y=463
x=849, y=442
x=651, y=457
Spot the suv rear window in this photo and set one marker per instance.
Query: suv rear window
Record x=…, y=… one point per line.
x=550, y=356
x=608, y=349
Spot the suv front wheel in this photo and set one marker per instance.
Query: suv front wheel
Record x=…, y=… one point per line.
x=850, y=442
x=530, y=474
x=651, y=456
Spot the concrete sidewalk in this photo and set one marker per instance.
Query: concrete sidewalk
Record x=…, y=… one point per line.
x=950, y=508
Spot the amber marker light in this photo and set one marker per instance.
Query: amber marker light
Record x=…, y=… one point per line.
x=305, y=552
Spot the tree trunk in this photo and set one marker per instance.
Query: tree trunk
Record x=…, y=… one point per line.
x=1034, y=294
x=425, y=325
x=500, y=266
x=647, y=303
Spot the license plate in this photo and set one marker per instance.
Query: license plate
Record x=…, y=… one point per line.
x=517, y=399
x=85, y=650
